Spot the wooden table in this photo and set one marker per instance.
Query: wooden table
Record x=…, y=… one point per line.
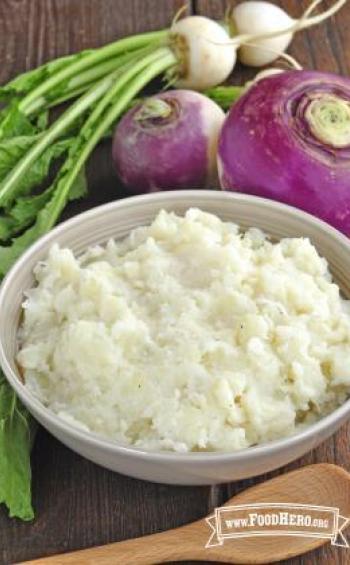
x=77, y=503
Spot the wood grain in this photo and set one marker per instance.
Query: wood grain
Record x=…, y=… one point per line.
x=78, y=504
x=325, y=48
x=326, y=485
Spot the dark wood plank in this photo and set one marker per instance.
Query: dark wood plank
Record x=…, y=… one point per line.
x=77, y=503
x=327, y=48
x=36, y=31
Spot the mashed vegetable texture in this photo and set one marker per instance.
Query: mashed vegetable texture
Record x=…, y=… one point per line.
x=188, y=335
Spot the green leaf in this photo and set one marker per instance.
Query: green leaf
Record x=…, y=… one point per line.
x=14, y=149
x=26, y=209
x=99, y=121
x=11, y=150
x=42, y=120
x=79, y=187
x=13, y=185
x=41, y=166
x=9, y=254
x=25, y=82
x=7, y=225
x=15, y=447
x=23, y=214
x=63, y=189
x=14, y=123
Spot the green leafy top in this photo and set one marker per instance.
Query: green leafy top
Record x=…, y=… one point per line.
x=16, y=433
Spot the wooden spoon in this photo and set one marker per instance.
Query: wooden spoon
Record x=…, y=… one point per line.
x=321, y=485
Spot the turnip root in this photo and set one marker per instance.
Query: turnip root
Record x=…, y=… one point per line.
x=169, y=142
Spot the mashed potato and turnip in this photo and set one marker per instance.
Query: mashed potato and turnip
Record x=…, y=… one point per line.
x=188, y=335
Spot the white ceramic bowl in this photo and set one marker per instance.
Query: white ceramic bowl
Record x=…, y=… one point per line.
x=116, y=220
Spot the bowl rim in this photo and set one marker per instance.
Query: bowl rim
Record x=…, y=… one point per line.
x=34, y=405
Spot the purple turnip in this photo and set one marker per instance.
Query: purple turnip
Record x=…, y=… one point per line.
x=288, y=138
x=169, y=142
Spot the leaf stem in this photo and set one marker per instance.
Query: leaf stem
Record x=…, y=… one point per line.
x=80, y=83
x=113, y=104
x=8, y=185
x=163, y=60
x=225, y=96
x=84, y=62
